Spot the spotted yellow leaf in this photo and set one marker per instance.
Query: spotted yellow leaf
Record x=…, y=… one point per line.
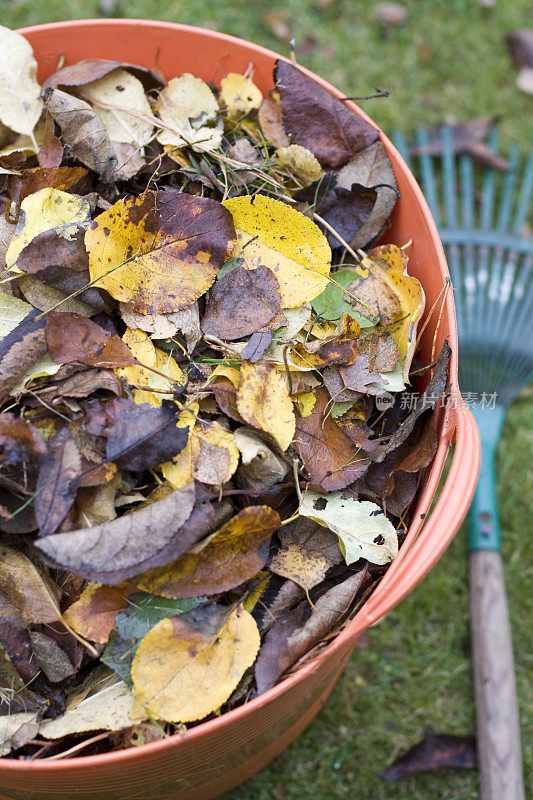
x=300, y=162
x=274, y=235
x=149, y=387
x=159, y=251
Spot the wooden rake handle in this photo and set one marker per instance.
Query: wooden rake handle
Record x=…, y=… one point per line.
x=498, y=729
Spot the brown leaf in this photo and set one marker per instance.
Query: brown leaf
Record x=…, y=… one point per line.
x=271, y=122
x=241, y=303
x=29, y=589
x=15, y=639
x=19, y=440
x=317, y=120
x=51, y=658
x=329, y=456
x=51, y=151
x=93, y=614
x=91, y=69
x=228, y=558
x=75, y=179
x=435, y=751
x=307, y=551
x=119, y=549
x=19, y=351
x=346, y=209
x=382, y=351
x=82, y=384
x=341, y=348
x=262, y=465
x=226, y=397
x=141, y=436
x=359, y=378
x=83, y=133
x=72, y=338
x=293, y=635
x=57, y=482
x=370, y=167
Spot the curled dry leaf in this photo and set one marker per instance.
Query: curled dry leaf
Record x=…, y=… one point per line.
x=330, y=458
x=263, y=401
x=261, y=465
x=119, y=549
x=272, y=234
x=15, y=639
x=228, y=558
x=19, y=440
x=91, y=69
x=20, y=351
x=271, y=123
x=57, y=482
x=307, y=552
x=29, y=590
x=188, y=665
x=83, y=133
x=296, y=632
x=108, y=709
x=317, y=120
x=20, y=104
x=51, y=658
x=302, y=163
x=362, y=527
x=160, y=256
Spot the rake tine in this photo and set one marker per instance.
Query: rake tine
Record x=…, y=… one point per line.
x=508, y=190
x=401, y=145
x=525, y=198
x=429, y=186
x=448, y=174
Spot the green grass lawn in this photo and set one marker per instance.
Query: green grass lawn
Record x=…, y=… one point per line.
x=446, y=59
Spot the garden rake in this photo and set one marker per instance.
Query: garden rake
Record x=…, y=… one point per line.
x=483, y=223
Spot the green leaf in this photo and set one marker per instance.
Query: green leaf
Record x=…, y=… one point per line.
x=331, y=303
x=362, y=527
x=144, y=611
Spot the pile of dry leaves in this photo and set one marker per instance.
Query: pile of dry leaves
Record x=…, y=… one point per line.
x=206, y=462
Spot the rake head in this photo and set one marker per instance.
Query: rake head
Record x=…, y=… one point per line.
x=483, y=220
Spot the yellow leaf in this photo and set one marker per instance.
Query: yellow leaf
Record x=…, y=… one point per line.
x=225, y=371
x=305, y=403
x=189, y=107
x=121, y=88
x=187, y=666
x=226, y=559
x=48, y=210
x=301, y=162
x=156, y=388
x=239, y=94
x=186, y=465
x=272, y=234
x=159, y=251
x=389, y=264
x=263, y=401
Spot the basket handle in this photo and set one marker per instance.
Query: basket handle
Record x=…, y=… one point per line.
x=440, y=527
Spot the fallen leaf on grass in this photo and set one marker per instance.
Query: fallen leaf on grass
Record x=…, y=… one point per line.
x=435, y=751
x=57, y=482
x=228, y=558
x=118, y=549
x=263, y=401
x=467, y=137
x=362, y=527
x=188, y=665
x=317, y=120
x=272, y=234
x=159, y=251
x=329, y=456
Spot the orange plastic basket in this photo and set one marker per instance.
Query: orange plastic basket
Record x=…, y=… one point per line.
x=218, y=755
